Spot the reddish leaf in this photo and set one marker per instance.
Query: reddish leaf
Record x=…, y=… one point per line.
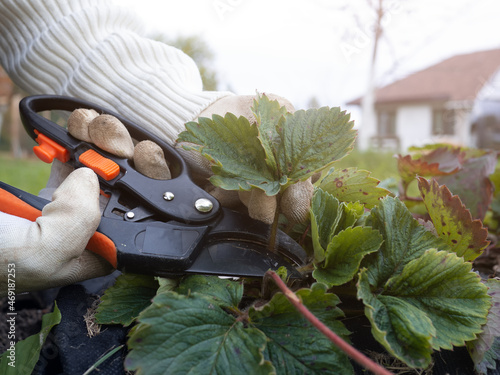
x=453, y=221
x=472, y=184
x=441, y=161
x=484, y=351
x=450, y=159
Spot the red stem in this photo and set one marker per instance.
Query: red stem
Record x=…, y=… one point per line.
x=341, y=344
x=412, y=199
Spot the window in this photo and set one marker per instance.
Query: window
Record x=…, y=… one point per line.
x=443, y=122
x=386, y=123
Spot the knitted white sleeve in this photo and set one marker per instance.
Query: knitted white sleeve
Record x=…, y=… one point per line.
x=95, y=50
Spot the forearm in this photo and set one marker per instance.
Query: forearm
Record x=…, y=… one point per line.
x=94, y=50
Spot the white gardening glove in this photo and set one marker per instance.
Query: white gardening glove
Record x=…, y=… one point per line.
x=50, y=252
x=295, y=201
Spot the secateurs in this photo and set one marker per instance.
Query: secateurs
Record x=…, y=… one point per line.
x=158, y=227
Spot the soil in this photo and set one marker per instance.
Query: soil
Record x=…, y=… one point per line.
x=488, y=263
x=28, y=320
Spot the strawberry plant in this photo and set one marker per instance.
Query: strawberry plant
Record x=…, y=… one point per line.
x=407, y=262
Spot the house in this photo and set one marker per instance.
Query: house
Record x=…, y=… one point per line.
x=455, y=101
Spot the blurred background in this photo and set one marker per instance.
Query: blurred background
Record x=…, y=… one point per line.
x=408, y=71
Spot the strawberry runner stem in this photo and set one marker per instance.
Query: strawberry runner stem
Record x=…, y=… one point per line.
x=341, y=344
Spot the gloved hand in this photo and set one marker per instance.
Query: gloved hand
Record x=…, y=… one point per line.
x=296, y=200
x=51, y=251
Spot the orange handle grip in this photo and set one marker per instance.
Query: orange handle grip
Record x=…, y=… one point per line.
x=99, y=243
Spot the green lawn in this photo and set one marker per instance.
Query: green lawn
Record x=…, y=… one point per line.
x=382, y=165
x=30, y=174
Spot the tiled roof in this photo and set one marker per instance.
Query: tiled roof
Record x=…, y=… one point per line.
x=458, y=78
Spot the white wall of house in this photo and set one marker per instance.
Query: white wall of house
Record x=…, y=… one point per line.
x=463, y=127
x=414, y=125
x=366, y=130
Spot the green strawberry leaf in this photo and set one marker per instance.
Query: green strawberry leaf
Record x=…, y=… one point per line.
x=453, y=221
x=122, y=302
x=404, y=330
x=312, y=140
x=326, y=212
x=404, y=240
x=328, y=218
x=434, y=302
x=166, y=285
x=269, y=115
x=222, y=292
x=351, y=185
x=344, y=254
x=280, y=149
x=438, y=283
x=27, y=351
x=295, y=346
x=353, y=211
x=443, y=285
x=232, y=146
x=181, y=334
x=485, y=350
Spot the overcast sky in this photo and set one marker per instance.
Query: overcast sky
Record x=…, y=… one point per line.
x=319, y=48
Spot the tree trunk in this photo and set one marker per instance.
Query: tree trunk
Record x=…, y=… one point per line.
x=369, y=124
x=15, y=127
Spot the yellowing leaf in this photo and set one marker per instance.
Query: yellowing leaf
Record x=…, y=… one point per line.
x=453, y=221
x=351, y=185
